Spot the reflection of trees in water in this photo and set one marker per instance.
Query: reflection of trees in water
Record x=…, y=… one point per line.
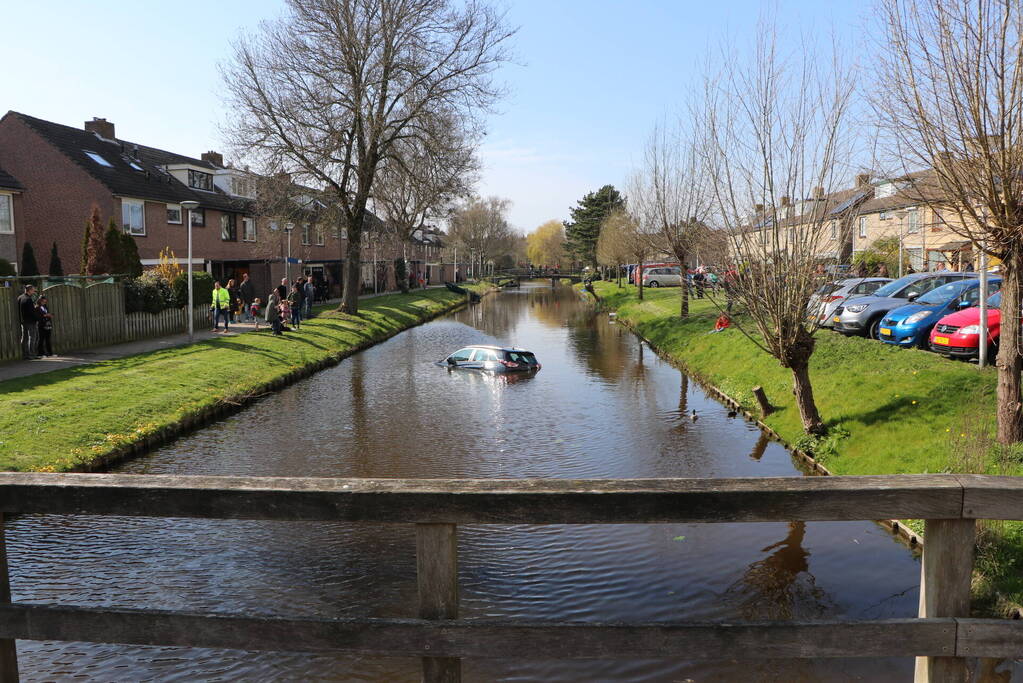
x=780, y=586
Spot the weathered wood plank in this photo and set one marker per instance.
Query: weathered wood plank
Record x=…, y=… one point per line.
x=437, y=574
x=987, y=497
x=945, y=576
x=459, y=501
x=996, y=638
x=8, y=649
x=483, y=639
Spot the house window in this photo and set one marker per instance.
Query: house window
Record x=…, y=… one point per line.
x=883, y=216
x=249, y=229
x=834, y=229
x=242, y=187
x=198, y=218
x=863, y=226
x=305, y=233
x=200, y=180
x=914, y=221
x=133, y=216
x=274, y=226
x=174, y=214
x=320, y=236
x=228, y=228
x=6, y=214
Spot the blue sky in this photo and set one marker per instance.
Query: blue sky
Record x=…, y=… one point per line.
x=591, y=78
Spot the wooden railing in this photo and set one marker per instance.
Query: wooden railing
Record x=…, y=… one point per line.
x=941, y=638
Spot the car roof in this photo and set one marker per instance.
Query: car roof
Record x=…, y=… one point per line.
x=495, y=348
x=857, y=280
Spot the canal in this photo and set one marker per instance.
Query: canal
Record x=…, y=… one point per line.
x=604, y=406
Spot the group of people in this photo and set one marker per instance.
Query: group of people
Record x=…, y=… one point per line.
x=288, y=303
x=36, y=324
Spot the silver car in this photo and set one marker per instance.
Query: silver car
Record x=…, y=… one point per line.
x=666, y=276
x=862, y=316
x=830, y=296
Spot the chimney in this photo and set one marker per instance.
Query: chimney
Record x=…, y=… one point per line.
x=215, y=158
x=785, y=201
x=862, y=180
x=101, y=127
x=818, y=192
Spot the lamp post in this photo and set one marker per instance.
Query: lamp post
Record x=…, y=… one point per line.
x=288, y=227
x=189, y=205
x=373, y=247
x=982, y=359
x=901, y=215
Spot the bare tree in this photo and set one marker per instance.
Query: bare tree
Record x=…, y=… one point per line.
x=328, y=92
x=671, y=197
x=776, y=130
x=613, y=247
x=480, y=228
x=951, y=98
x=627, y=239
x=424, y=176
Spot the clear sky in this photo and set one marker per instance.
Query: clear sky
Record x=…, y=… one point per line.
x=591, y=78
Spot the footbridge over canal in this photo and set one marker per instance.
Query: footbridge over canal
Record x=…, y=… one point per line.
x=941, y=637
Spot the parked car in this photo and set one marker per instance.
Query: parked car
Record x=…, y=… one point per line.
x=911, y=324
x=492, y=359
x=957, y=334
x=830, y=296
x=670, y=276
x=863, y=316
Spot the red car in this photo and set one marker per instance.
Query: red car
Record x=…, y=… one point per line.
x=956, y=334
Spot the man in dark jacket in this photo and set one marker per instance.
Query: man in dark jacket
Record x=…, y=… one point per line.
x=29, y=322
x=248, y=293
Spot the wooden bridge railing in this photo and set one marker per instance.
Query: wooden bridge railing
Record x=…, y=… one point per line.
x=941, y=638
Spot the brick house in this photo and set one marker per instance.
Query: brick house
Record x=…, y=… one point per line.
x=10, y=216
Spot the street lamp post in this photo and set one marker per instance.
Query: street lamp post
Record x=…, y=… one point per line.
x=901, y=215
x=982, y=359
x=288, y=227
x=189, y=205
x=373, y=247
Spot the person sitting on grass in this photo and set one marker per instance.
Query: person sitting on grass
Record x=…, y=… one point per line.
x=723, y=322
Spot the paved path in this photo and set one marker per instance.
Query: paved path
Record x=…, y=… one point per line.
x=24, y=368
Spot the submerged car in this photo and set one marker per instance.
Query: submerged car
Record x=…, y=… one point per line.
x=957, y=335
x=911, y=324
x=862, y=316
x=830, y=296
x=492, y=359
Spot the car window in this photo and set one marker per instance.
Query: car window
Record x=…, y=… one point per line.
x=827, y=289
x=484, y=354
x=921, y=287
x=521, y=357
x=942, y=294
x=896, y=287
x=995, y=301
x=870, y=287
x=461, y=355
x=973, y=296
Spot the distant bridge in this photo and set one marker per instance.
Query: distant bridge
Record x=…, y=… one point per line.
x=521, y=274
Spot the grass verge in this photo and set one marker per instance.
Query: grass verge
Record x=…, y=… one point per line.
x=85, y=417
x=888, y=410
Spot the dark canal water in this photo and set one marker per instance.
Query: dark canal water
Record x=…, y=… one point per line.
x=603, y=406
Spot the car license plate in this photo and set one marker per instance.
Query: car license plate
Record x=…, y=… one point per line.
x=886, y=330
x=941, y=340
x=837, y=319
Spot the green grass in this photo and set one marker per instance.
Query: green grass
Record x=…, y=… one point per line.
x=75, y=418
x=888, y=410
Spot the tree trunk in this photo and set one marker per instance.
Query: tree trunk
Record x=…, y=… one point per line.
x=353, y=278
x=683, y=311
x=1010, y=361
x=619, y=271
x=812, y=423
x=639, y=280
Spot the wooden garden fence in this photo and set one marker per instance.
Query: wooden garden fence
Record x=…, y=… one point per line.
x=87, y=314
x=941, y=637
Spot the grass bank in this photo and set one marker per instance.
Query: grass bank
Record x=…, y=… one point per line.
x=85, y=417
x=888, y=410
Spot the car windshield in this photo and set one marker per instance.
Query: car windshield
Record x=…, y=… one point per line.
x=995, y=300
x=896, y=286
x=522, y=357
x=829, y=288
x=943, y=294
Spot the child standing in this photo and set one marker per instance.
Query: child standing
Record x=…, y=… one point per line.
x=254, y=310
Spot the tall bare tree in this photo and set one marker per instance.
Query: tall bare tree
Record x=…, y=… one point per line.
x=951, y=98
x=328, y=91
x=776, y=129
x=480, y=228
x=613, y=246
x=629, y=238
x=670, y=195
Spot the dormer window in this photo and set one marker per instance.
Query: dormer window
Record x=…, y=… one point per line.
x=241, y=187
x=200, y=180
x=98, y=159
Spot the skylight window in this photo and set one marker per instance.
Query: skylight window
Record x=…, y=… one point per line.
x=98, y=159
x=135, y=166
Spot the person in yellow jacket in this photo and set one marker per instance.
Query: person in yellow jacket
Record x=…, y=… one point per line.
x=221, y=306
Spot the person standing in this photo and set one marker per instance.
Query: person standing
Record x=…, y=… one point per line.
x=273, y=311
x=221, y=306
x=295, y=300
x=29, y=317
x=309, y=295
x=235, y=298
x=248, y=295
x=45, y=327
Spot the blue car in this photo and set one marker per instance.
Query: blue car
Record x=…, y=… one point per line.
x=910, y=325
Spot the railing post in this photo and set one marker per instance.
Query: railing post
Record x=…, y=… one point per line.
x=945, y=576
x=437, y=570
x=8, y=649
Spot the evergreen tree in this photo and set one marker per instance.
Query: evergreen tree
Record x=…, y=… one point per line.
x=28, y=261
x=96, y=260
x=115, y=249
x=56, y=267
x=83, y=267
x=130, y=252
x=582, y=232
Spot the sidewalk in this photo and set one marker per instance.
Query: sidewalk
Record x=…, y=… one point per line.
x=24, y=368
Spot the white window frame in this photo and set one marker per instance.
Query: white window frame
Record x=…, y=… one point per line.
x=863, y=227
x=126, y=224
x=321, y=237
x=913, y=224
x=181, y=213
x=834, y=228
x=305, y=234
x=248, y=235
x=9, y=200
